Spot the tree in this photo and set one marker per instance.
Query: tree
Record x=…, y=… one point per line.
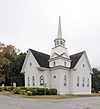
x=10, y=64
x=16, y=67
x=4, y=62
x=96, y=80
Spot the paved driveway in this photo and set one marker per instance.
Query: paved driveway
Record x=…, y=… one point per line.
x=7, y=102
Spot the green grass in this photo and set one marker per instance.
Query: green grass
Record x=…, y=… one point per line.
x=51, y=96
x=6, y=93
x=38, y=96
x=9, y=93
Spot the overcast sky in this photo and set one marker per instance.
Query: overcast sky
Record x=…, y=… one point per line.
x=34, y=23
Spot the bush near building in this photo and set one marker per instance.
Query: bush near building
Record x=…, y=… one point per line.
x=34, y=91
x=52, y=91
x=29, y=91
x=9, y=88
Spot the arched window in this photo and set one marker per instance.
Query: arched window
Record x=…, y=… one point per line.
x=83, y=82
x=87, y=82
x=30, y=64
x=77, y=80
x=65, y=63
x=57, y=42
x=28, y=80
x=61, y=43
x=54, y=76
x=41, y=80
x=65, y=80
x=33, y=80
x=54, y=63
x=83, y=65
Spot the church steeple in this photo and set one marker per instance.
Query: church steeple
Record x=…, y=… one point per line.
x=59, y=41
x=59, y=35
x=59, y=55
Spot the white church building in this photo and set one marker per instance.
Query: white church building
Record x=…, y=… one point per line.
x=68, y=74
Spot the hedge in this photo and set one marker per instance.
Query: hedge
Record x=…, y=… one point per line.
x=42, y=91
x=33, y=90
x=29, y=91
x=52, y=91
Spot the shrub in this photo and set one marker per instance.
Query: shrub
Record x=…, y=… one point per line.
x=16, y=90
x=52, y=91
x=40, y=91
x=29, y=89
x=29, y=93
x=23, y=92
x=33, y=90
x=9, y=88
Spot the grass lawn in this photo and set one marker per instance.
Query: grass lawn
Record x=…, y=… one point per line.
x=8, y=93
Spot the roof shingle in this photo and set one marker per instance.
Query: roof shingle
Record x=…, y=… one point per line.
x=75, y=58
x=42, y=58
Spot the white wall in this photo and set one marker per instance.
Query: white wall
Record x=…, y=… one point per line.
x=46, y=75
x=58, y=82
x=31, y=71
x=81, y=72
x=64, y=89
x=59, y=62
x=59, y=50
x=55, y=82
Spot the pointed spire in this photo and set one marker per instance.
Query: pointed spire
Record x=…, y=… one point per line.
x=59, y=34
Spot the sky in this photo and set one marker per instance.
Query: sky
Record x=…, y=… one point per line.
x=34, y=23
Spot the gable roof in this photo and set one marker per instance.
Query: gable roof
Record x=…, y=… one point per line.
x=75, y=58
x=42, y=58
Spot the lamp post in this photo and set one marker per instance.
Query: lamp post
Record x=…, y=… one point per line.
x=45, y=88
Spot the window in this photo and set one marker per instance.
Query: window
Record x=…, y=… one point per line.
x=54, y=63
x=33, y=81
x=65, y=63
x=83, y=82
x=54, y=76
x=87, y=82
x=57, y=42
x=61, y=42
x=65, y=80
x=83, y=65
x=30, y=64
x=77, y=80
x=41, y=80
x=28, y=80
